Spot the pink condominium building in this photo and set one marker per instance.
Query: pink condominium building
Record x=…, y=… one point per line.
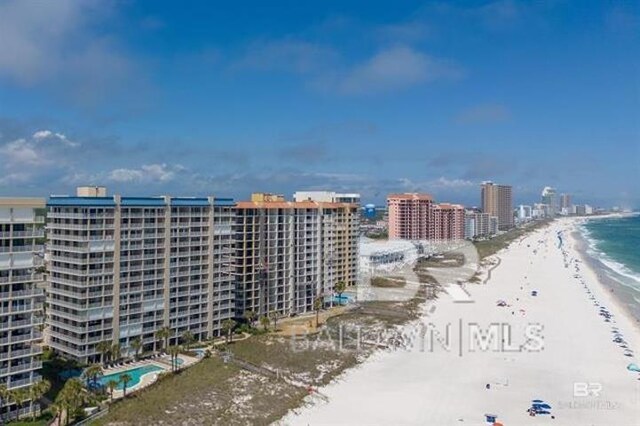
x=415, y=216
x=449, y=221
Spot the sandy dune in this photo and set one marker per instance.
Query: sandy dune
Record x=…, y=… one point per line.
x=571, y=361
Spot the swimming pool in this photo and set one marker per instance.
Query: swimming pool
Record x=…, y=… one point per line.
x=339, y=300
x=135, y=373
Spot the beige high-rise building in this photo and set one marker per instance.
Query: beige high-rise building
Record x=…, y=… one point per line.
x=123, y=267
x=497, y=200
x=290, y=253
x=21, y=297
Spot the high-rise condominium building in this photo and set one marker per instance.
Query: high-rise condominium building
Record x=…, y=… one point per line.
x=410, y=216
x=479, y=225
x=121, y=268
x=416, y=217
x=550, y=198
x=449, y=221
x=290, y=253
x=497, y=200
x=21, y=298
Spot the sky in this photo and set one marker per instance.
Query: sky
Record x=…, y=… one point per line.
x=228, y=98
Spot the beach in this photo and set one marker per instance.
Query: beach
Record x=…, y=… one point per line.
x=561, y=342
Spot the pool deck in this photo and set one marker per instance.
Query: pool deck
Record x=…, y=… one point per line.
x=163, y=361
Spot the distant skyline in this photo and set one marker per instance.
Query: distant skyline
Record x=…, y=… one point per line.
x=157, y=97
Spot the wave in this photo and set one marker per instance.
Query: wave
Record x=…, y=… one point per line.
x=593, y=250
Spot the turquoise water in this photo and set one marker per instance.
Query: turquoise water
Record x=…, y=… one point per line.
x=135, y=373
x=619, y=240
x=614, y=243
x=339, y=300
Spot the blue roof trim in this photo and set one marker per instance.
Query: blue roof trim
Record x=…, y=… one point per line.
x=81, y=201
x=194, y=202
x=224, y=202
x=142, y=201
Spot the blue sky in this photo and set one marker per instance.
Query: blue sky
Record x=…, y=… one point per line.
x=196, y=98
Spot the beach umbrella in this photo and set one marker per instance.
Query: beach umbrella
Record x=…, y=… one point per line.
x=543, y=405
x=537, y=401
x=633, y=367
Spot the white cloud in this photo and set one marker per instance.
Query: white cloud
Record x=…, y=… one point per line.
x=394, y=68
x=57, y=44
x=147, y=173
x=443, y=182
x=44, y=147
x=287, y=55
x=436, y=184
x=47, y=134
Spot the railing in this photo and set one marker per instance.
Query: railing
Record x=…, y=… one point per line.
x=35, y=350
x=20, y=308
x=21, y=249
x=95, y=416
x=25, y=366
x=33, y=233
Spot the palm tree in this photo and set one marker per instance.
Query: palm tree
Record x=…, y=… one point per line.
x=56, y=409
x=4, y=397
x=136, y=345
x=71, y=398
x=111, y=385
x=93, y=373
x=274, y=317
x=125, y=378
x=340, y=287
x=264, y=321
x=317, y=306
x=163, y=334
x=174, y=351
x=188, y=339
x=115, y=352
x=105, y=349
x=36, y=392
x=227, y=328
x=19, y=396
x=250, y=316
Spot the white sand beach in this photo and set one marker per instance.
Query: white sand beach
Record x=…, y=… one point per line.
x=577, y=369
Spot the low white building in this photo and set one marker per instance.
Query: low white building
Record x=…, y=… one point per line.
x=479, y=225
x=326, y=197
x=524, y=213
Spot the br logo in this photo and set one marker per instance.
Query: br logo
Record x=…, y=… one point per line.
x=584, y=389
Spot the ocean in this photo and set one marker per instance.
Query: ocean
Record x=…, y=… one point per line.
x=613, y=244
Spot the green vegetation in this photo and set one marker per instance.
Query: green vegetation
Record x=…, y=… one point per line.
x=42, y=420
x=227, y=329
x=164, y=334
x=51, y=368
x=445, y=260
x=71, y=399
x=382, y=235
x=487, y=248
x=211, y=392
x=388, y=282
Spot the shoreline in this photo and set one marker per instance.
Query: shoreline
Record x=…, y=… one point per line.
x=623, y=295
x=443, y=387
